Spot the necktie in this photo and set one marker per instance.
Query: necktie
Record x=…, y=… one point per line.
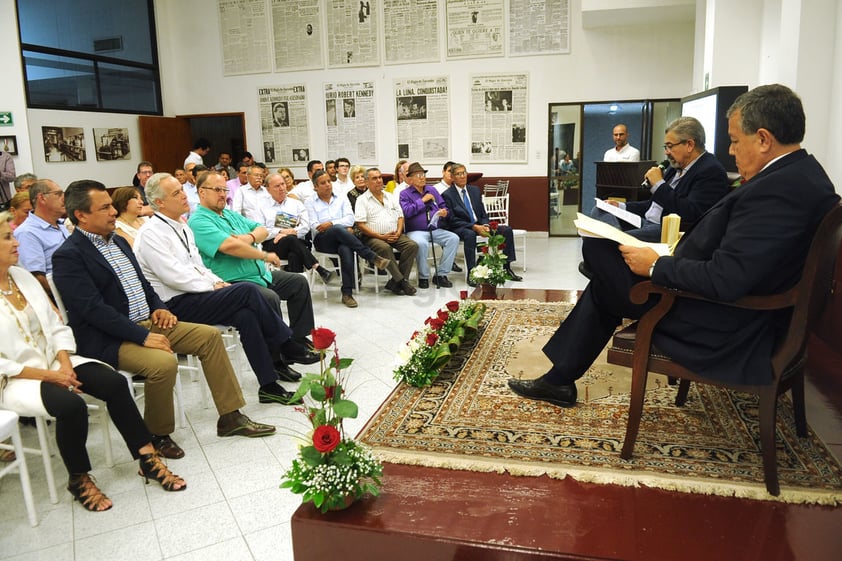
x=468, y=205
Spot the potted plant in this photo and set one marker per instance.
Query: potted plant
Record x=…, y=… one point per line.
x=331, y=470
x=490, y=272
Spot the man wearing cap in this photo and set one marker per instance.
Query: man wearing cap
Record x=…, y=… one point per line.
x=423, y=210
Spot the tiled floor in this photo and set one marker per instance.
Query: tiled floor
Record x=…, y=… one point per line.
x=233, y=509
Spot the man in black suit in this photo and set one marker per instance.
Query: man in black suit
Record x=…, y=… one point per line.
x=117, y=318
x=752, y=242
x=694, y=182
x=468, y=220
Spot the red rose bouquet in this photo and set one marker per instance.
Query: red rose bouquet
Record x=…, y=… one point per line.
x=420, y=360
x=331, y=470
x=491, y=266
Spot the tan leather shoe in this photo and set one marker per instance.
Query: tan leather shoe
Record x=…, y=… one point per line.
x=349, y=301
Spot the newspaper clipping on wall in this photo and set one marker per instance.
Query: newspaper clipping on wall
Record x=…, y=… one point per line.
x=244, y=28
x=353, y=33
x=297, y=32
x=283, y=123
x=423, y=119
x=402, y=46
x=499, y=115
x=474, y=28
x=350, y=121
x=539, y=28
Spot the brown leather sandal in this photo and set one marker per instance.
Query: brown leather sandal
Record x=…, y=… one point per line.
x=83, y=488
x=153, y=467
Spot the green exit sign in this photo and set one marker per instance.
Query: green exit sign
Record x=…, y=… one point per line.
x=6, y=119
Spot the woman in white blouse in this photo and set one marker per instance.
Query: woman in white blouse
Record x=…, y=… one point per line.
x=40, y=375
x=128, y=202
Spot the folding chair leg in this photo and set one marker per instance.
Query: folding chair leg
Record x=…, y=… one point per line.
x=44, y=443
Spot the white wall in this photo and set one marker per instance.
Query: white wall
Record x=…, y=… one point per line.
x=13, y=96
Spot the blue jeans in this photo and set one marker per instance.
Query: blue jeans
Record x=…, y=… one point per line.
x=449, y=243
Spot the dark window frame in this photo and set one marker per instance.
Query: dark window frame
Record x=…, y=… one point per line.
x=96, y=60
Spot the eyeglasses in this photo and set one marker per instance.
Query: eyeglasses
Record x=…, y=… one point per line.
x=670, y=145
x=460, y=173
x=59, y=193
x=217, y=190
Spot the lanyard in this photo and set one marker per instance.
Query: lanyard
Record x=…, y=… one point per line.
x=184, y=241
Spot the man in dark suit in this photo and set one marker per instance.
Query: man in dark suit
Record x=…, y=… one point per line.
x=752, y=242
x=117, y=318
x=468, y=220
x=694, y=182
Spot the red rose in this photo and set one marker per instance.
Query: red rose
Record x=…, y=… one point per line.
x=436, y=324
x=453, y=305
x=414, y=335
x=493, y=224
x=484, y=249
x=443, y=315
x=322, y=338
x=502, y=246
x=325, y=438
x=463, y=294
x=432, y=338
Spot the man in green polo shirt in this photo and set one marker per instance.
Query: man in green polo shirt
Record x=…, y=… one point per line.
x=230, y=247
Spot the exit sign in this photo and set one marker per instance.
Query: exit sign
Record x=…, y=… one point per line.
x=6, y=119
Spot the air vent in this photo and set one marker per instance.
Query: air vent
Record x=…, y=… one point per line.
x=106, y=45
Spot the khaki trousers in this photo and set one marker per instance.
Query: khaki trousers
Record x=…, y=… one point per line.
x=160, y=368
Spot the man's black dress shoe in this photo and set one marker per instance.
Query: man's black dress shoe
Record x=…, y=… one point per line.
x=442, y=281
x=514, y=277
x=471, y=283
x=285, y=373
x=293, y=351
x=563, y=396
x=273, y=393
x=456, y=268
x=584, y=271
x=167, y=447
x=423, y=283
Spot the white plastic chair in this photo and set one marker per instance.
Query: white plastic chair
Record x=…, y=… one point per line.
x=9, y=429
x=497, y=208
x=327, y=261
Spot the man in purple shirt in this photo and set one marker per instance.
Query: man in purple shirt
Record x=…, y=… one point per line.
x=423, y=209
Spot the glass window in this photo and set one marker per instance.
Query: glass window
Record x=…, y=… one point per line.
x=90, y=55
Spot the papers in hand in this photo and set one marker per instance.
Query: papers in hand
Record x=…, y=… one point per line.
x=620, y=213
x=592, y=228
x=434, y=221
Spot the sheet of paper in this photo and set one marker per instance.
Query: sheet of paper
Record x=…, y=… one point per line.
x=592, y=228
x=620, y=213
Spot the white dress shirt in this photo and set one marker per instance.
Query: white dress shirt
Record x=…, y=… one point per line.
x=294, y=212
x=304, y=191
x=168, y=256
x=338, y=211
x=250, y=202
x=341, y=188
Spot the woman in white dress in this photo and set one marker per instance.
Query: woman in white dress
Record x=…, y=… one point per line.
x=40, y=375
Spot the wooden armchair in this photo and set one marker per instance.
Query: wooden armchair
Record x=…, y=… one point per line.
x=632, y=346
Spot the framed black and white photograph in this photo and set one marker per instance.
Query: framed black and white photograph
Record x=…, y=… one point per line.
x=64, y=144
x=9, y=144
x=112, y=144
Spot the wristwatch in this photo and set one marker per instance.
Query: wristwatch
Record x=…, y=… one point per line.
x=652, y=268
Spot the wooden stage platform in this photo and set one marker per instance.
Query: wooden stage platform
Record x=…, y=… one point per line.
x=428, y=514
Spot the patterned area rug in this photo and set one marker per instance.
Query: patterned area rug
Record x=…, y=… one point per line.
x=469, y=419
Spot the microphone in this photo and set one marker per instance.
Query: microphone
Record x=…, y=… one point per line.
x=663, y=165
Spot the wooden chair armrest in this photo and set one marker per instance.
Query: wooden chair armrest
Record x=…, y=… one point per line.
x=642, y=290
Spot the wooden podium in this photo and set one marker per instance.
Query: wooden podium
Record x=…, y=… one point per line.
x=622, y=179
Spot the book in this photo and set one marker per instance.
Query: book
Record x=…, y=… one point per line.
x=592, y=228
x=285, y=221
